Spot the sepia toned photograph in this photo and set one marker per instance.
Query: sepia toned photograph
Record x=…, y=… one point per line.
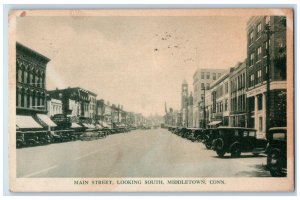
x=193, y=100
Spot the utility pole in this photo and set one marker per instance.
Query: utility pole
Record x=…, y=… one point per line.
x=268, y=102
x=204, y=111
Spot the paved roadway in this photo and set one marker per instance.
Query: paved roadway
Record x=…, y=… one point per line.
x=140, y=153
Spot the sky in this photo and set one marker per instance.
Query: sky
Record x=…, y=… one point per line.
x=135, y=61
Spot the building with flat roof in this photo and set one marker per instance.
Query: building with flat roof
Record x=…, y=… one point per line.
x=202, y=79
x=266, y=73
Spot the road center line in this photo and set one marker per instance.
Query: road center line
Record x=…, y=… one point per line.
x=41, y=171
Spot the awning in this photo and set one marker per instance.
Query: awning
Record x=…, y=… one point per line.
x=26, y=122
x=105, y=125
x=46, y=119
x=85, y=125
x=75, y=125
x=99, y=126
x=214, y=123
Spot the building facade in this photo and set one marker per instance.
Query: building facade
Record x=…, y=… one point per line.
x=75, y=101
x=92, y=105
x=266, y=73
x=30, y=81
x=184, y=103
x=54, y=106
x=238, y=95
x=220, y=100
x=202, y=79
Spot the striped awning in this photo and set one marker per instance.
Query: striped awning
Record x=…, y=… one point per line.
x=23, y=121
x=46, y=119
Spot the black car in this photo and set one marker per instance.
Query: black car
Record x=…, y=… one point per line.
x=277, y=151
x=235, y=140
x=208, y=137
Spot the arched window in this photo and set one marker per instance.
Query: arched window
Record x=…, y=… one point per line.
x=25, y=76
x=22, y=98
x=33, y=83
x=28, y=100
x=25, y=99
x=37, y=80
x=17, y=97
x=33, y=100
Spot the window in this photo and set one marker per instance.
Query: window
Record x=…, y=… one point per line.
x=259, y=30
x=251, y=37
x=25, y=77
x=207, y=75
x=226, y=87
x=252, y=80
x=214, y=76
x=202, y=75
x=19, y=75
x=259, y=76
x=258, y=53
x=202, y=86
x=259, y=102
x=207, y=86
x=251, y=59
x=260, y=123
x=226, y=104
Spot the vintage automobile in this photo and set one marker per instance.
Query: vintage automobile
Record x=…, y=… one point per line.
x=235, y=140
x=277, y=151
x=43, y=137
x=33, y=138
x=196, y=134
x=208, y=137
x=20, y=139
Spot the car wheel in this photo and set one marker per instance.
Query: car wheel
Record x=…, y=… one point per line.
x=275, y=163
x=208, y=145
x=235, y=151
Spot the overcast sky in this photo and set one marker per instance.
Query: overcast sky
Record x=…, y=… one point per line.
x=138, y=62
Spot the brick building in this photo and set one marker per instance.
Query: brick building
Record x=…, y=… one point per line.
x=266, y=72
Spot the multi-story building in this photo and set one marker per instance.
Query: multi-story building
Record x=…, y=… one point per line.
x=190, y=110
x=92, y=105
x=54, y=106
x=202, y=79
x=266, y=72
x=31, y=105
x=31, y=81
x=184, y=102
x=76, y=102
x=238, y=95
x=220, y=103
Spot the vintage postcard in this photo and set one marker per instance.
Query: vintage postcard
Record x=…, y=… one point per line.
x=193, y=100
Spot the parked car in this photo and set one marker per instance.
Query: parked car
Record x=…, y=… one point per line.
x=235, y=140
x=277, y=151
x=208, y=137
x=196, y=134
x=20, y=141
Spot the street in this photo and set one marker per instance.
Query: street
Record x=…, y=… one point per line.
x=139, y=153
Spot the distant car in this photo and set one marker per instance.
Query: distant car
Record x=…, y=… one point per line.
x=276, y=151
x=235, y=140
